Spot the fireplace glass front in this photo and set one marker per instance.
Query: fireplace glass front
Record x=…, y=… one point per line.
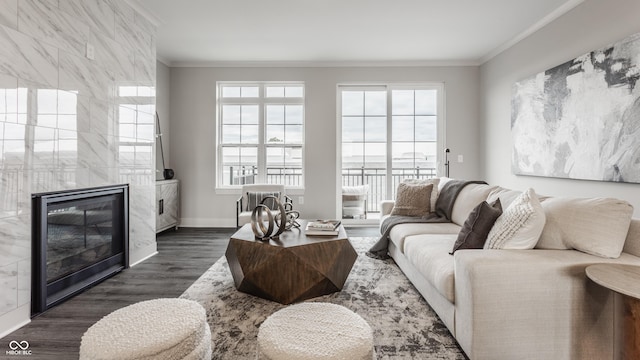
x=80, y=238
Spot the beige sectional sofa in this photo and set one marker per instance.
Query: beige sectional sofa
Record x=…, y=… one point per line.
x=522, y=304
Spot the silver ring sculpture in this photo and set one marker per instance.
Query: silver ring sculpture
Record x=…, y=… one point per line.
x=275, y=225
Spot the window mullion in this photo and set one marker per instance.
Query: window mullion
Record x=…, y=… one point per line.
x=262, y=125
x=389, y=159
x=415, y=135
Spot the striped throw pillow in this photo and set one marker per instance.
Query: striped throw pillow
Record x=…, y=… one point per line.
x=254, y=199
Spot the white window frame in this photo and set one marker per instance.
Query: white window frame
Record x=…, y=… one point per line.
x=262, y=101
x=389, y=87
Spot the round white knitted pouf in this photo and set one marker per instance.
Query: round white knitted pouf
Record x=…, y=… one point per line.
x=315, y=331
x=155, y=329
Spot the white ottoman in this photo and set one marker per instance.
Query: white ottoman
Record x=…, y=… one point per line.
x=155, y=329
x=315, y=331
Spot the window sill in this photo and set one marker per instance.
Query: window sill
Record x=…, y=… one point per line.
x=238, y=191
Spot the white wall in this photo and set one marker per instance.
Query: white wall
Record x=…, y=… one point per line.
x=193, y=130
x=589, y=26
x=163, y=94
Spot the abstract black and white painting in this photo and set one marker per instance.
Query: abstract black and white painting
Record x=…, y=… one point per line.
x=581, y=119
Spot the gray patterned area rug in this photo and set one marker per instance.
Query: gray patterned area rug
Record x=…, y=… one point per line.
x=404, y=325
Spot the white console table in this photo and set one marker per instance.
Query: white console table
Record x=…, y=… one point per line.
x=167, y=204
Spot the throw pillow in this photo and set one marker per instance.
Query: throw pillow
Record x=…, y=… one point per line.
x=596, y=226
x=412, y=200
x=254, y=199
x=434, y=190
x=476, y=228
x=520, y=226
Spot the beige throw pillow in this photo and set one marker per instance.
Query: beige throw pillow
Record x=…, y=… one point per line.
x=434, y=190
x=412, y=200
x=520, y=225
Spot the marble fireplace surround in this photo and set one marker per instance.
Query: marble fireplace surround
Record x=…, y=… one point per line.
x=70, y=122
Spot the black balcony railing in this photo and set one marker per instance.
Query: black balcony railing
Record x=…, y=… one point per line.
x=374, y=177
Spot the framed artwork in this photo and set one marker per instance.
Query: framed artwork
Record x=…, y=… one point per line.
x=581, y=119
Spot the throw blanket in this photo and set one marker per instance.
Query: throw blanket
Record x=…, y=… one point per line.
x=442, y=214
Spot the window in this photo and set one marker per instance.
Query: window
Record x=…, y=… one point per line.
x=389, y=132
x=260, y=133
x=136, y=131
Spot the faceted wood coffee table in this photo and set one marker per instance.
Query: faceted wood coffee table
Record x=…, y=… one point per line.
x=291, y=268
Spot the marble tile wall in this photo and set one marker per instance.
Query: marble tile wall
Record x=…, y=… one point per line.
x=68, y=122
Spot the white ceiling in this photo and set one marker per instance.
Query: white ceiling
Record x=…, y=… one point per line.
x=216, y=32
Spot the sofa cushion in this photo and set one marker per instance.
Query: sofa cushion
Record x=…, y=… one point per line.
x=475, y=230
x=597, y=226
x=506, y=196
x=468, y=198
x=520, y=225
x=400, y=232
x=430, y=255
x=412, y=199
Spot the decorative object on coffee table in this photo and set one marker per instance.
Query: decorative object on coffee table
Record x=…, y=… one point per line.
x=314, y=330
x=291, y=216
x=323, y=228
x=292, y=267
x=275, y=224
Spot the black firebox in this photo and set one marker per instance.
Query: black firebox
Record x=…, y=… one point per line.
x=79, y=238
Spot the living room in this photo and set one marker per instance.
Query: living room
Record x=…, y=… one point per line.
x=45, y=49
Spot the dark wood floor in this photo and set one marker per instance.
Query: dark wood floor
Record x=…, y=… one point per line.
x=183, y=256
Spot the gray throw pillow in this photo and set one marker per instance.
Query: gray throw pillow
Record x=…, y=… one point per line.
x=412, y=200
x=476, y=228
x=254, y=199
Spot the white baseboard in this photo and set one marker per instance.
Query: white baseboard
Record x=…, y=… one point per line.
x=14, y=320
x=207, y=222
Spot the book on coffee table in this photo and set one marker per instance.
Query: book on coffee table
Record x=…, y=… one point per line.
x=324, y=224
x=323, y=227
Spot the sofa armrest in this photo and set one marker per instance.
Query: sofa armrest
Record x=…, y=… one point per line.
x=386, y=206
x=530, y=304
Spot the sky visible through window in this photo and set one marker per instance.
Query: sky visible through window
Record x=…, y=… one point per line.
x=413, y=128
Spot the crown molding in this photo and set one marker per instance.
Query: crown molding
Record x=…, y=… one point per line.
x=303, y=64
x=563, y=9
